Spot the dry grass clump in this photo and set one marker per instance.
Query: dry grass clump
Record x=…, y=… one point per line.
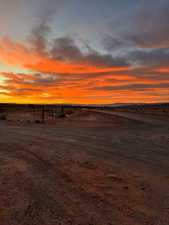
x=3, y=117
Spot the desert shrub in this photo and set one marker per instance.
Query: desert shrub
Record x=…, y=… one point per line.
x=3, y=117
x=37, y=121
x=63, y=115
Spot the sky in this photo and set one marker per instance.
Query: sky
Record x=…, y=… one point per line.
x=88, y=52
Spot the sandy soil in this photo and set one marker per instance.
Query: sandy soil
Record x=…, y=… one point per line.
x=106, y=170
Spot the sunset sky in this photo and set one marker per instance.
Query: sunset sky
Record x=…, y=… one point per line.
x=84, y=51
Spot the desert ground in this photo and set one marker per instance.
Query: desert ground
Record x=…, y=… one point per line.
x=153, y=109
x=92, y=168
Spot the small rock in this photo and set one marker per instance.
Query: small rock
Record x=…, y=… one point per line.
x=126, y=187
x=114, y=177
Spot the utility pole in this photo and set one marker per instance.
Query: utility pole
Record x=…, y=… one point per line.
x=43, y=114
x=62, y=109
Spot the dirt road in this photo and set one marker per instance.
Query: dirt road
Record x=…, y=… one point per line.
x=146, y=118
x=84, y=173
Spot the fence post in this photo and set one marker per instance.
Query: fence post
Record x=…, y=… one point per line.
x=43, y=114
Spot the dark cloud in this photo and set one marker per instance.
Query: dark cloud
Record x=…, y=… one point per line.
x=153, y=58
x=105, y=60
x=111, y=44
x=45, y=81
x=144, y=72
x=131, y=87
x=29, y=89
x=67, y=50
x=145, y=27
x=45, y=12
x=150, y=28
x=39, y=38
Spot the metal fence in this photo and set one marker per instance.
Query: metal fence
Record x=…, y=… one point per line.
x=36, y=113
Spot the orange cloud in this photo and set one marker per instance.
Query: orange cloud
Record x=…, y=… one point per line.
x=92, y=78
